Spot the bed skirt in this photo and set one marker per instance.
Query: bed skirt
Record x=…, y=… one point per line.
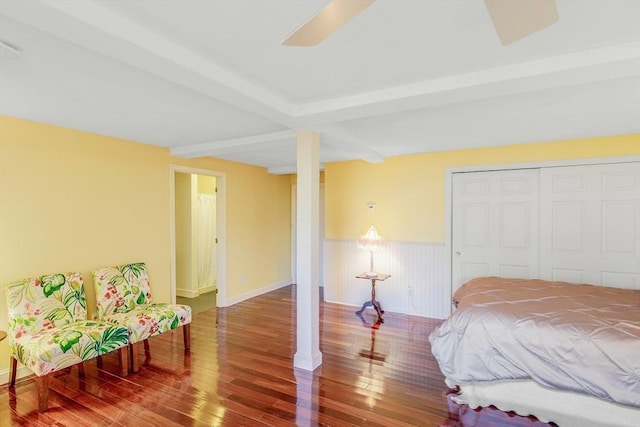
x=526, y=397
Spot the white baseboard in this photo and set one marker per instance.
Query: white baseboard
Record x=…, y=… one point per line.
x=23, y=371
x=186, y=293
x=207, y=289
x=256, y=292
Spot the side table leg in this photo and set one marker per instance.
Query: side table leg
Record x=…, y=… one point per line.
x=365, y=305
x=379, y=310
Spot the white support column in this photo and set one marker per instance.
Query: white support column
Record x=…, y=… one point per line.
x=308, y=355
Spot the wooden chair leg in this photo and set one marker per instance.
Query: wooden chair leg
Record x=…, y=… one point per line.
x=42, y=384
x=81, y=369
x=147, y=351
x=13, y=370
x=186, y=335
x=134, y=363
x=123, y=361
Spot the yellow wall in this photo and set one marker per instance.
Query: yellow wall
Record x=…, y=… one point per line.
x=258, y=224
x=409, y=190
x=76, y=201
x=206, y=184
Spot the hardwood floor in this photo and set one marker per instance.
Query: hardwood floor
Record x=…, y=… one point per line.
x=200, y=303
x=239, y=373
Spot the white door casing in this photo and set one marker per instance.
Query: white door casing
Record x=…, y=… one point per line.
x=221, y=208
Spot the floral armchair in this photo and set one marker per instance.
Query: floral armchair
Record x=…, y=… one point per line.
x=49, y=330
x=123, y=297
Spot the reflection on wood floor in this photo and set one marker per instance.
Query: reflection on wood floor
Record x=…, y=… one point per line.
x=239, y=373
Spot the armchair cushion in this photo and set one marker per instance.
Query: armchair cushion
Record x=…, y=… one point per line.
x=121, y=288
x=145, y=321
x=57, y=348
x=48, y=330
x=123, y=297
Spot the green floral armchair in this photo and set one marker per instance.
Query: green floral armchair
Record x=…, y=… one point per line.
x=123, y=297
x=49, y=330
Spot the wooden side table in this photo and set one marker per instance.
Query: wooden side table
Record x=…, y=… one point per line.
x=373, y=303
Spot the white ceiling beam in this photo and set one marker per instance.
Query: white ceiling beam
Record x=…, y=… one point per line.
x=235, y=145
x=94, y=27
x=336, y=137
x=286, y=169
x=605, y=63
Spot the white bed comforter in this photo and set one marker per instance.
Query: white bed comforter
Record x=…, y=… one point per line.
x=580, y=338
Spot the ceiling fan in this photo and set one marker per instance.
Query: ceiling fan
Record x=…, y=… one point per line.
x=512, y=19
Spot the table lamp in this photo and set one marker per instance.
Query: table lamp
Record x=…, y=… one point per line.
x=371, y=242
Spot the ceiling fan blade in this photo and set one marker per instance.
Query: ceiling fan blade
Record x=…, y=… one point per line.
x=324, y=23
x=516, y=19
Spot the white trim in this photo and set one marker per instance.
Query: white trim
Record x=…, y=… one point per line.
x=545, y=164
x=257, y=292
x=186, y=293
x=294, y=229
x=221, y=228
x=206, y=289
x=505, y=166
x=448, y=272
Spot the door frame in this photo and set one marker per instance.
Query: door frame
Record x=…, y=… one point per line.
x=221, y=228
x=448, y=203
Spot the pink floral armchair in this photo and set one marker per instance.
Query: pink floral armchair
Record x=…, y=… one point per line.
x=49, y=330
x=123, y=297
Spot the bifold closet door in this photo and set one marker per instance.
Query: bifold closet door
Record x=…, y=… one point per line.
x=494, y=224
x=590, y=224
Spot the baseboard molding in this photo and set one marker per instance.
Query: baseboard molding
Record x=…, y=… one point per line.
x=256, y=292
x=186, y=293
x=206, y=289
x=23, y=371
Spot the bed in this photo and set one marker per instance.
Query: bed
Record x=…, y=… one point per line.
x=561, y=352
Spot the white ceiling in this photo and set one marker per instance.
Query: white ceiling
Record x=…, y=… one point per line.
x=210, y=78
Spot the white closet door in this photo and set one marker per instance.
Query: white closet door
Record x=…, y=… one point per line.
x=590, y=224
x=494, y=224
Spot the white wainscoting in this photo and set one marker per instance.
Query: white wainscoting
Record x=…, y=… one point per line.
x=417, y=284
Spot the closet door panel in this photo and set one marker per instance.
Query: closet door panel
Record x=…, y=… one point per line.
x=494, y=224
x=590, y=224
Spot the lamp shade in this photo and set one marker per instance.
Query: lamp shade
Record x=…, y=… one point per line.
x=371, y=241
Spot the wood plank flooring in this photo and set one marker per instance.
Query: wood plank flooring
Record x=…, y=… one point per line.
x=239, y=373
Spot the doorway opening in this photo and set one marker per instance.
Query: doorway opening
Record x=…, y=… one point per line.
x=198, y=238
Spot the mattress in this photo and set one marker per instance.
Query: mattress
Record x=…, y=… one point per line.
x=577, y=338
